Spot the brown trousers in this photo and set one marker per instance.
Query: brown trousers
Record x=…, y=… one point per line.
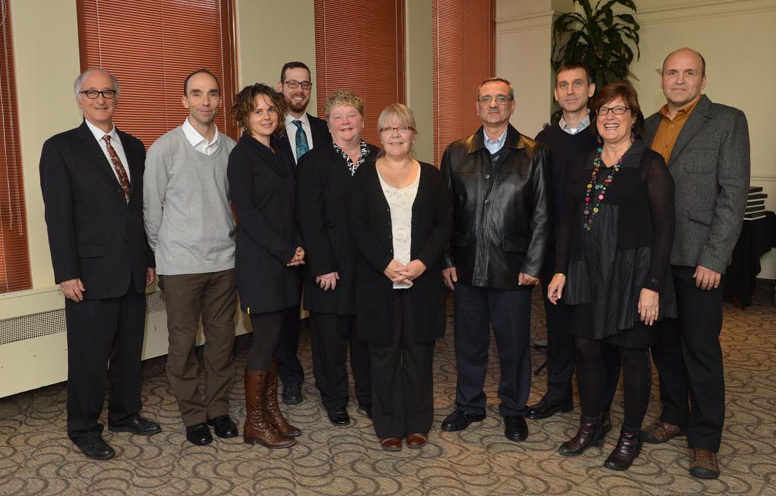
x=213, y=297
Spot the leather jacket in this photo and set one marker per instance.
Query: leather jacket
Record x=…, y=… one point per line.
x=501, y=211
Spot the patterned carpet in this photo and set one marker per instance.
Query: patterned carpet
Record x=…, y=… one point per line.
x=36, y=458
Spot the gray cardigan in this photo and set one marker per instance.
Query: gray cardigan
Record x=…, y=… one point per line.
x=186, y=206
x=710, y=167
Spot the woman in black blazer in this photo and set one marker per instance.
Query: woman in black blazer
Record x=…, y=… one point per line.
x=325, y=176
x=401, y=220
x=269, y=253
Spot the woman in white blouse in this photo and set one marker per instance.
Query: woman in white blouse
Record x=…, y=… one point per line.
x=401, y=220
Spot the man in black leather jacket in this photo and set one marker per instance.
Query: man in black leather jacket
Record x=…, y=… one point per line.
x=498, y=183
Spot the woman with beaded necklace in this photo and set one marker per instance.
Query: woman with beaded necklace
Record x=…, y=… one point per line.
x=614, y=248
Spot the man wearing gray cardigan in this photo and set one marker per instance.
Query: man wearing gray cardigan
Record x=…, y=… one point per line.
x=706, y=147
x=190, y=227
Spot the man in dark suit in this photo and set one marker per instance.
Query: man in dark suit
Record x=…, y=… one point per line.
x=706, y=147
x=499, y=188
x=92, y=183
x=303, y=132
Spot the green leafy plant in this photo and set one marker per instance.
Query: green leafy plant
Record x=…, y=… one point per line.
x=599, y=38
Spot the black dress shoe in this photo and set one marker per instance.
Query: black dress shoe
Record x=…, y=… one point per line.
x=292, y=393
x=199, y=434
x=460, y=420
x=546, y=409
x=224, y=426
x=339, y=416
x=515, y=428
x=95, y=448
x=136, y=425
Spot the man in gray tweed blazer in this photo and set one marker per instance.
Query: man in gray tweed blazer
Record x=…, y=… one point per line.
x=706, y=147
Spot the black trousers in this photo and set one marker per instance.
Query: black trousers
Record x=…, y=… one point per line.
x=290, y=370
x=330, y=336
x=509, y=312
x=688, y=358
x=561, y=355
x=104, y=341
x=402, y=377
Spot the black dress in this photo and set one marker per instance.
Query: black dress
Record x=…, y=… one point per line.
x=262, y=188
x=627, y=248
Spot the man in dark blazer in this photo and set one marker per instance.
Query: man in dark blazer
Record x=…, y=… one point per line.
x=706, y=147
x=92, y=183
x=499, y=189
x=303, y=132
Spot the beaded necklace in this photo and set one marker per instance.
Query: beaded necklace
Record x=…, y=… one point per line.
x=591, y=206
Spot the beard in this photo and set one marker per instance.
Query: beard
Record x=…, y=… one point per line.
x=297, y=107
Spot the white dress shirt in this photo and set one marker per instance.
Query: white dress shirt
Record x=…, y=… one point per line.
x=291, y=131
x=198, y=141
x=115, y=142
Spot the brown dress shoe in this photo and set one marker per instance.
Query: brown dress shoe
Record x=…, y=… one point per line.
x=661, y=432
x=704, y=464
x=390, y=443
x=416, y=441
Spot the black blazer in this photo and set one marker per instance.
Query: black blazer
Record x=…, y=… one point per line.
x=262, y=188
x=320, y=132
x=323, y=185
x=94, y=234
x=370, y=222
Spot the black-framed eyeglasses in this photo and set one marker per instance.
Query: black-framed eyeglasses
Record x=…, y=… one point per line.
x=618, y=110
x=399, y=129
x=93, y=94
x=500, y=99
x=294, y=84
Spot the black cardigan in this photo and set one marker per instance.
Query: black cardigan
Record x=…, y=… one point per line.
x=262, y=188
x=370, y=221
x=323, y=184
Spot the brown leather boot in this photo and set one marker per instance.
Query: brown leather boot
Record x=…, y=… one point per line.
x=257, y=428
x=627, y=449
x=589, y=434
x=274, y=416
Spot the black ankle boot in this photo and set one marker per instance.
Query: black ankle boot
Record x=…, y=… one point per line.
x=589, y=434
x=627, y=449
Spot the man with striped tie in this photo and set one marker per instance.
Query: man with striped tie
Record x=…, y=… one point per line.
x=303, y=132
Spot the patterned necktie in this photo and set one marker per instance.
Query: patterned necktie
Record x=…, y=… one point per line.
x=302, y=146
x=120, y=171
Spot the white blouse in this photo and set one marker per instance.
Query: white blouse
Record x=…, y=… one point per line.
x=400, y=201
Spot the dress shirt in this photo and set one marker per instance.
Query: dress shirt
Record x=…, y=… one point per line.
x=583, y=124
x=115, y=142
x=668, y=130
x=291, y=131
x=494, y=146
x=199, y=142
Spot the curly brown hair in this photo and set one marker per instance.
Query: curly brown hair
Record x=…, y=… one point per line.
x=245, y=103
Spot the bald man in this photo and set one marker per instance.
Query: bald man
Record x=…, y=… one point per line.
x=706, y=147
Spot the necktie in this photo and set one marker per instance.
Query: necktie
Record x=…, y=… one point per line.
x=302, y=146
x=120, y=171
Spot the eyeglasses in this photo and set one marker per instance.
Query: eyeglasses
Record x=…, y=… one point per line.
x=294, y=84
x=400, y=129
x=500, y=99
x=618, y=110
x=93, y=94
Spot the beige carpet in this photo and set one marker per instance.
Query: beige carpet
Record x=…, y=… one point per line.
x=36, y=458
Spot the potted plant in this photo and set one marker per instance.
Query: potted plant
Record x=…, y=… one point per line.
x=599, y=38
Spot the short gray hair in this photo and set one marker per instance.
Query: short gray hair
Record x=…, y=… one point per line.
x=80, y=78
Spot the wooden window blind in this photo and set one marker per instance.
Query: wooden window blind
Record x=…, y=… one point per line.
x=359, y=46
x=151, y=46
x=464, y=55
x=14, y=255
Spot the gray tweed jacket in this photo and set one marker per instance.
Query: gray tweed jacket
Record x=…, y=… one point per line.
x=710, y=167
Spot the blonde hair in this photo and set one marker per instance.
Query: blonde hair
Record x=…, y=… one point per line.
x=403, y=115
x=344, y=98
